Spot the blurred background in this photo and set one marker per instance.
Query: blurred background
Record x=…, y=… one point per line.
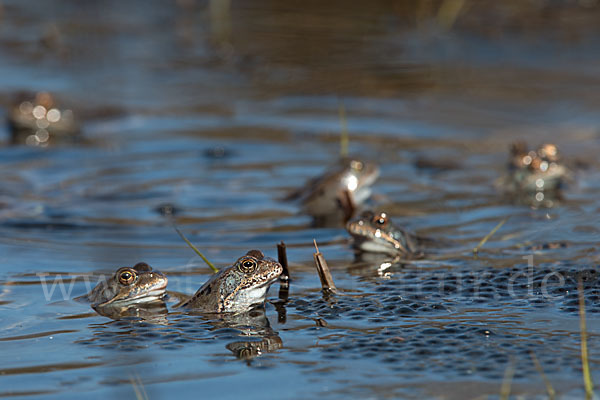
x=465, y=65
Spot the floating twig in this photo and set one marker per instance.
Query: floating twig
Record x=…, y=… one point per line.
x=323, y=270
x=215, y=269
x=282, y=258
x=538, y=366
x=489, y=235
x=587, y=377
x=284, y=280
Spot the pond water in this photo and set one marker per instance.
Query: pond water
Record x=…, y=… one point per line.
x=219, y=109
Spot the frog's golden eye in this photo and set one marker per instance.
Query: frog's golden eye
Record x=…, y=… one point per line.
x=380, y=220
x=127, y=276
x=247, y=265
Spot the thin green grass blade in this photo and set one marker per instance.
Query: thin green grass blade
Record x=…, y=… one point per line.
x=344, y=136
x=489, y=235
x=587, y=376
x=507, y=381
x=538, y=366
x=215, y=269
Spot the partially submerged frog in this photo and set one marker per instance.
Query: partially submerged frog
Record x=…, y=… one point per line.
x=337, y=193
x=129, y=286
x=375, y=233
x=239, y=287
x=39, y=121
x=531, y=171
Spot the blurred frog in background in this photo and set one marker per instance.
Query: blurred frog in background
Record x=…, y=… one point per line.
x=39, y=121
x=335, y=196
x=535, y=176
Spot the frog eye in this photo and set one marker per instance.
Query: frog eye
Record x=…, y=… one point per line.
x=380, y=220
x=247, y=265
x=357, y=165
x=127, y=277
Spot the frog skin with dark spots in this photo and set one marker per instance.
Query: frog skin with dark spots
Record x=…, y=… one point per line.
x=375, y=233
x=237, y=288
x=129, y=286
x=337, y=193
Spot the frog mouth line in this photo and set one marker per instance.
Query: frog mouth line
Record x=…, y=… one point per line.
x=153, y=295
x=269, y=280
x=150, y=296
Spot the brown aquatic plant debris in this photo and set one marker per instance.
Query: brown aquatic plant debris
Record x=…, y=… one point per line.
x=284, y=278
x=282, y=258
x=323, y=270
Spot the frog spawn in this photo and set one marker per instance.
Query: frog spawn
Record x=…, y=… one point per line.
x=456, y=324
x=465, y=323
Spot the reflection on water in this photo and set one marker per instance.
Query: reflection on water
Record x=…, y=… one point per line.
x=152, y=312
x=253, y=326
x=207, y=113
x=248, y=335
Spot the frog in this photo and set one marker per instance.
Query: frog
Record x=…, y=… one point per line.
x=535, y=171
x=375, y=232
x=38, y=121
x=238, y=287
x=339, y=192
x=128, y=286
